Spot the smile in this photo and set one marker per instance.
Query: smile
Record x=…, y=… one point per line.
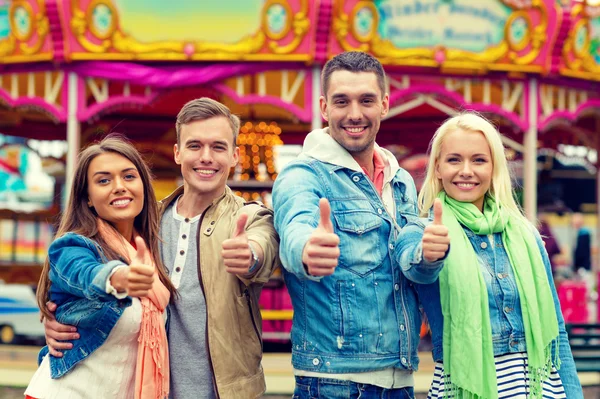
x=355, y=130
x=205, y=172
x=121, y=203
x=466, y=186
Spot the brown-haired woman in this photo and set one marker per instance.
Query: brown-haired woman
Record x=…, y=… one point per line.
x=104, y=273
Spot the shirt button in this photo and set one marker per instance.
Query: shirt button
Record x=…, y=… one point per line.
x=360, y=335
x=396, y=287
x=402, y=328
x=484, y=245
x=178, y=269
x=500, y=276
x=379, y=211
x=184, y=236
x=356, y=178
x=315, y=361
x=391, y=246
x=187, y=220
x=507, y=309
x=403, y=360
x=181, y=252
x=513, y=343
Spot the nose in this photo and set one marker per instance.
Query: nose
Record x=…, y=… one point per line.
x=466, y=169
x=355, y=112
x=119, y=185
x=206, y=154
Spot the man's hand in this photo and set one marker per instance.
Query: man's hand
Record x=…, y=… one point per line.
x=321, y=252
x=236, y=253
x=137, y=279
x=435, y=237
x=56, y=332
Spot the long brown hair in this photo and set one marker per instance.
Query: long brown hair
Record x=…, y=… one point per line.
x=79, y=218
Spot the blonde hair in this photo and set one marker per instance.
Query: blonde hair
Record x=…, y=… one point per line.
x=501, y=187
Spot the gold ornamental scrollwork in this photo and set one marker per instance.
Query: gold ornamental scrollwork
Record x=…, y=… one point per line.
x=38, y=23
x=342, y=26
x=577, y=57
x=99, y=42
x=299, y=26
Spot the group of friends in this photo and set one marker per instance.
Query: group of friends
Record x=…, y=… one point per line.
x=153, y=300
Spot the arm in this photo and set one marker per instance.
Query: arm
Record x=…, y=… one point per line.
x=296, y=195
x=74, y=269
x=567, y=371
x=408, y=252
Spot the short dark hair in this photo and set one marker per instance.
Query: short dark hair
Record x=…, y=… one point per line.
x=205, y=108
x=353, y=61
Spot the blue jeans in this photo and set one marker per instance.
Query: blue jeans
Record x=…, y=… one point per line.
x=326, y=388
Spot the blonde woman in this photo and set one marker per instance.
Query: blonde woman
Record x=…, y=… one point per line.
x=496, y=323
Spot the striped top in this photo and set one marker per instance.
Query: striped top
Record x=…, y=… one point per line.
x=512, y=376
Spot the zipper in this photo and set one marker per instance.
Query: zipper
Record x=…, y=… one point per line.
x=212, y=368
x=247, y=294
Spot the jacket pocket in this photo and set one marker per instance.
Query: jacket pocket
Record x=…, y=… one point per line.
x=360, y=241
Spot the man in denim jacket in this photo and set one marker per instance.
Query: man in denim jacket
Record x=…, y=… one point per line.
x=338, y=209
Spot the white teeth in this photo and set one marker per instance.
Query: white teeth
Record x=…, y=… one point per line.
x=121, y=202
x=355, y=129
x=206, y=171
x=466, y=185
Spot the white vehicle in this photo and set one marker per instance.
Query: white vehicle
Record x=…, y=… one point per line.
x=19, y=314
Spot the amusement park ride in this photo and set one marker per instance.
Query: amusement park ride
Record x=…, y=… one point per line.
x=74, y=70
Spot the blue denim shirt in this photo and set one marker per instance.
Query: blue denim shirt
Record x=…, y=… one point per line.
x=365, y=316
x=508, y=331
x=78, y=272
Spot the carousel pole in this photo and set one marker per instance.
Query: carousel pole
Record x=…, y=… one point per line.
x=73, y=131
x=317, y=122
x=596, y=260
x=530, y=153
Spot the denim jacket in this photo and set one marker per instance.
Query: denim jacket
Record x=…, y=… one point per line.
x=365, y=316
x=78, y=272
x=508, y=331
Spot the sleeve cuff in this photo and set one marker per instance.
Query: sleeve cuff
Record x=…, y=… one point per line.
x=112, y=290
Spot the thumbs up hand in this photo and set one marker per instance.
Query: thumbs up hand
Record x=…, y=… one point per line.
x=140, y=275
x=321, y=252
x=236, y=253
x=435, y=237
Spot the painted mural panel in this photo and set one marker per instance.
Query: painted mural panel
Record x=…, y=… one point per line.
x=467, y=34
x=581, y=50
x=190, y=30
x=24, y=31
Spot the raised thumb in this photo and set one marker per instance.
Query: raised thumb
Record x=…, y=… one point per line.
x=437, y=211
x=140, y=254
x=325, y=215
x=240, y=225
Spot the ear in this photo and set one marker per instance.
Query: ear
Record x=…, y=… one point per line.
x=176, y=154
x=236, y=156
x=323, y=106
x=89, y=204
x=438, y=174
x=385, y=105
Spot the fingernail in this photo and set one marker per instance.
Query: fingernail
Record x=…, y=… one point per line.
x=75, y=336
x=73, y=329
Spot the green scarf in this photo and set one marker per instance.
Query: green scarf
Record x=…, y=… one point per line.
x=468, y=352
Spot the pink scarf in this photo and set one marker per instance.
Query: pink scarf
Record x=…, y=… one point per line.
x=152, y=369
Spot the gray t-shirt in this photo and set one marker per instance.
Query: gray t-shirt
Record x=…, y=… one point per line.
x=191, y=373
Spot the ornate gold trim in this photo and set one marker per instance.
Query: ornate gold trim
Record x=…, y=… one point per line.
x=11, y=19
x=130, y=48
x=579, y=64
x=359, y=6
x=521, y=45
x=90, y=22
x=39, y=25
x=388, y=53
x=265, y=20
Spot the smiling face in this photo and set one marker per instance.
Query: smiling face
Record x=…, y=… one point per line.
x=353, y=107
x=206, y=153
x=115, y=190
x=465, y=166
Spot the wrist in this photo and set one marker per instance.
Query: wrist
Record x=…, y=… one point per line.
x=255, y=260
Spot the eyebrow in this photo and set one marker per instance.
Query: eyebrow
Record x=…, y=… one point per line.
x=363, y=95
x=108, y=173
x=473, y=155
